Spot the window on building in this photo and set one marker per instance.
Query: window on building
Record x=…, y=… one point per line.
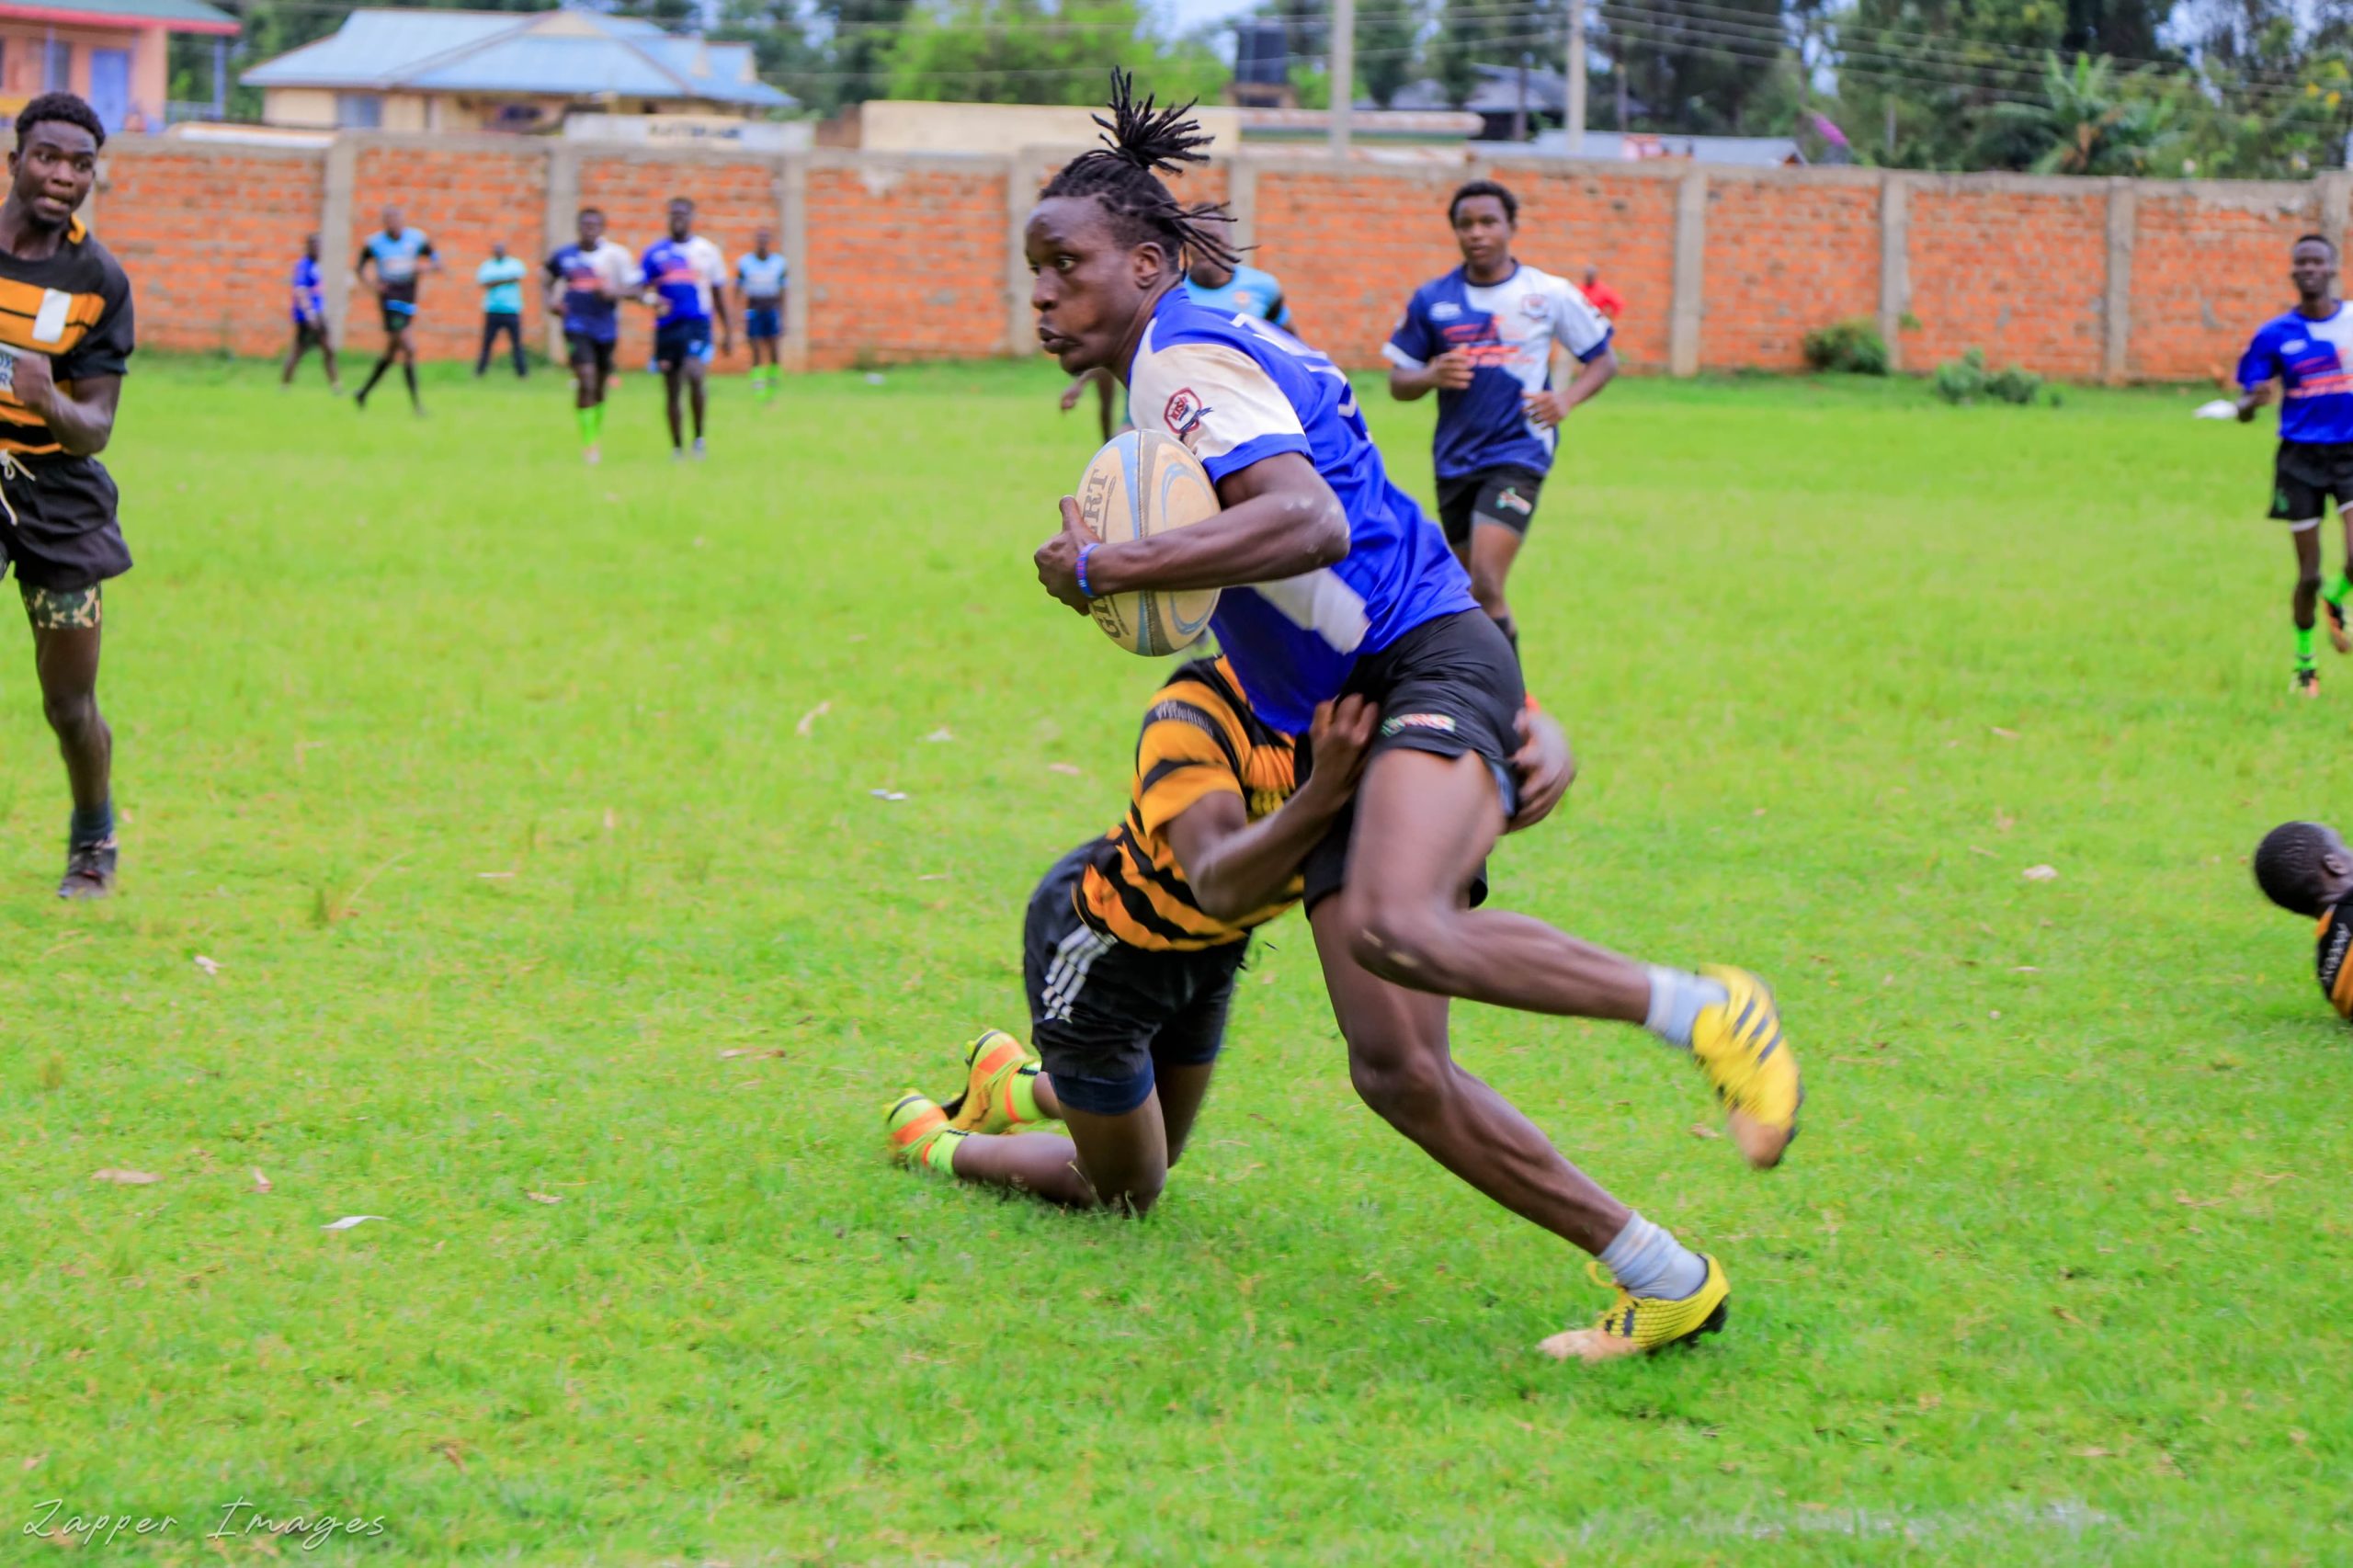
x=358, y=111
x=57, y=67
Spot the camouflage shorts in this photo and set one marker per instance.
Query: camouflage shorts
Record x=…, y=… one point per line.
x=78, y=609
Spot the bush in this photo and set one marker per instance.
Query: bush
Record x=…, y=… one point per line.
x=1966, y=379
x=1853, y=345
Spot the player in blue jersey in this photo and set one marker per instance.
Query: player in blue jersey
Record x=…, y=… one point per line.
x=1483, y=339
x=398, y=253
x=2306, y=353
x=685, y=278
x=1216, y=284
x=1335, y=583
x=309, y=308
x=587, y=282
x=760, y=279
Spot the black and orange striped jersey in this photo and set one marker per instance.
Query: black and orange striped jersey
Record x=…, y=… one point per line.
x=1199, y=738
x=73, y=306
x=2335, y=940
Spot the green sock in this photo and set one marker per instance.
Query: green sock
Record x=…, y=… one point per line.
x=939, y=1155
x=2335, y=593
x=587, y=417
x=2303, y=647
x=1025, y=1094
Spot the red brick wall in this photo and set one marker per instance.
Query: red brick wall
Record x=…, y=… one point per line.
x=464, y=199
x=906, y=258
x=1783, y=257
x=1624, y=225
x=2013, y=271
x=2207, y=267
x=209, y=238
x=905, y=262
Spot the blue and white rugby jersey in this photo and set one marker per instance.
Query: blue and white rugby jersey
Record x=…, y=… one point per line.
x=2313, y=362
x=1509, y=329
x=1237, y=390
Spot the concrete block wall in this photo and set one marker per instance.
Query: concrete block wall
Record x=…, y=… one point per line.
x=903, y=258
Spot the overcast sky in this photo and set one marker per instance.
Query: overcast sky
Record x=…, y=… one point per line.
x=1186, y=15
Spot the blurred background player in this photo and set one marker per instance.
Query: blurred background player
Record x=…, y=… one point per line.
x=760, y=279
x=398, y=253
x=65, y=340
x=685, y=278
x=2305, y=352
x=1601, y=296
x=1483, y=339
x=587, y=282
x=1130, y=949
x=502, y=308
x=2304, y=867
x=1217, y=283
x=308, y=308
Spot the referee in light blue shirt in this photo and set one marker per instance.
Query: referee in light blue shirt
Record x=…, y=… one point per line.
x=502, y=308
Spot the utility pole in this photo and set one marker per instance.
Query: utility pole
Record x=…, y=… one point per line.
x=1576, y=79
x=1342, y=60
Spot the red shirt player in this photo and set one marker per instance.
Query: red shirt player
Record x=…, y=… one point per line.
x=1605, y=298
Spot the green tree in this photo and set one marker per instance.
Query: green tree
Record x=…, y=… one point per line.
x=2089, y=124
x=1018, y=52
x=1388, y=38
x=1724, y=68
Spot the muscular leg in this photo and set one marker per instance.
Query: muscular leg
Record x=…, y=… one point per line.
x=1493, y=547
x=1400, y=1066
x=293, y=358
x=408, y=368
x=326, y=357
x=489, y=339
x=66, y=658
x=2307, y=592
x=695, y=387
x=670, y=377
x=1436, y=818
x=1118, y=1161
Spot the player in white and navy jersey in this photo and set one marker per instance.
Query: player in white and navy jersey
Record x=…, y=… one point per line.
x=1335, y=583
x=685, y=278
x=1483, y=339
x=2309, y=353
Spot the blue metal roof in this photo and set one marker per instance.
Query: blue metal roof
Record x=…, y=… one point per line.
x=557, y=54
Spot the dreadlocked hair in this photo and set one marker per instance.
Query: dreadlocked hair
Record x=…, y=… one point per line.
x=2287, y=866
x=1121, y=175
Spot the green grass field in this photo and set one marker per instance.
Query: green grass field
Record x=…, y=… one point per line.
x=526, y=815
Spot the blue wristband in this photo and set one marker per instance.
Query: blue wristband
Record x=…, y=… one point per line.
x=1083, y=552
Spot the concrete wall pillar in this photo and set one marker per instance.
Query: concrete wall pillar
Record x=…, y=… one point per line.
x=559, y=226
x=1022, y=180
x=1242, y=198
x=2335, y=196
x=1690, y=252
x=1895, y=263
x=792, y=238
x=334, y=229
x=2116, y=312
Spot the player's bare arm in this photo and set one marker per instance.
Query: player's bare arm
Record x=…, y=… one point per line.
x=1236, y=865
x=1280, y=519
x=1450, y=371
x=79, y=413
x=1548, y=408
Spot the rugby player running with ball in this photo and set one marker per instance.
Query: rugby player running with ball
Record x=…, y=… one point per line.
x=1336, y=585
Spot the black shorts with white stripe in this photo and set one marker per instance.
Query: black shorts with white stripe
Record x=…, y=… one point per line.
x=1103, y=1014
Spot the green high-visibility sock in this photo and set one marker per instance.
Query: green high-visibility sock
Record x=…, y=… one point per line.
x=2305, y=648
x=587, y=418
x=2335, y=593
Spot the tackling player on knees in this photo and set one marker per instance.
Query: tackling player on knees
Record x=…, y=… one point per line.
x=1336, y=585
x=1130, y=949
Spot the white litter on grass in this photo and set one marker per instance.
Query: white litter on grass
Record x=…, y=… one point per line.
x=348, y=1221
x=873, y=377
x=2042, y=873
x=888, y=794
x=938, y=735
x=207, y=965
x=809, y=720
x=2220, y=408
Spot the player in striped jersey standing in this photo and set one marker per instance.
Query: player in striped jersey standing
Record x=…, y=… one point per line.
x=65, y=340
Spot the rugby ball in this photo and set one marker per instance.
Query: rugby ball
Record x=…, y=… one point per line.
x=1143, y=483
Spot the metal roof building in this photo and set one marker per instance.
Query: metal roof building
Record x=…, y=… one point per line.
x=429, y=70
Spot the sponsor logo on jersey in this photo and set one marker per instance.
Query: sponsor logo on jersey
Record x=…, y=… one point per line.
x=1440, y=721
x=1533, y=307
x=1183, y=413
x=1445, y=310
x=2296, y=347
